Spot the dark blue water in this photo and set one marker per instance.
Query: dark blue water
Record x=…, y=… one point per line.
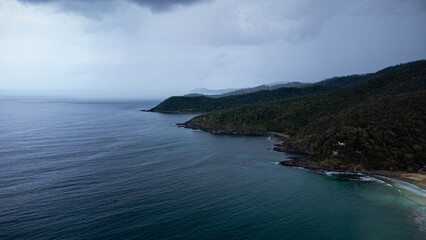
x=104, y=170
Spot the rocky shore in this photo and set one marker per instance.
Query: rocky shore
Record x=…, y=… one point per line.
x=418, y=179
x=291, y=147
x=223, y=131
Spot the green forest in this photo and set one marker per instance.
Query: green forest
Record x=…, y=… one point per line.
x=372, y=121
x=199, y=104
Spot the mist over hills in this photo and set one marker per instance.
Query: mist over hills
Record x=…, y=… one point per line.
x=210, y=92
x=231, y=92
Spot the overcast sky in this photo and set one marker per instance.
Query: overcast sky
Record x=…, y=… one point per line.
x=157, y=48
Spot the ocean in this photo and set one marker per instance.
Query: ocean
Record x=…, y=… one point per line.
x=91, y=169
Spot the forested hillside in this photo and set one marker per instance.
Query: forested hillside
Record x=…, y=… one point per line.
x=183, y=104
x=380, y=121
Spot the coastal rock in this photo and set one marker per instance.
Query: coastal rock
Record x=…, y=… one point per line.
x=291, y=147
x=192, y=125
x=305, y=162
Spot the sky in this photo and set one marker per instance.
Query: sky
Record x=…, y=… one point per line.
x=151, y=49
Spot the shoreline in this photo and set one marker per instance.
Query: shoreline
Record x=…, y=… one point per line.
x=190, y=125
x=170, y=112
x=417, y=179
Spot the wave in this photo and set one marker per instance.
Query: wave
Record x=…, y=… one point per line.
x=331, y=173
x=373, y=179
x=409, y=187
x=405, y=189
x=420, y=218
x=272, y=139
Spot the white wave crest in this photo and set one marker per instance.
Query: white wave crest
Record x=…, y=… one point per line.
x=409, y=187
x=331, y=173
x=371, y=179
x=272, y=139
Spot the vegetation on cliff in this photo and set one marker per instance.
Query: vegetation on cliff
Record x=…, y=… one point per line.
x=376, y=123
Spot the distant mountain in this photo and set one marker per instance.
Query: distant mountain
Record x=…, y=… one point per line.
x=373, y=121
x=234, y=91
x=206, y=91
x=264, y=93
x=264, y=87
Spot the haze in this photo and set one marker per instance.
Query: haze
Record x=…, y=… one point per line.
x=154, y=49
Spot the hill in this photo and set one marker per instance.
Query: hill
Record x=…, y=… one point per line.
x=263, y=87
x=191, y=104
x=380, y=121
x=203, y=92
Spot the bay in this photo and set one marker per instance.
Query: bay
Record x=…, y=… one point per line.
x=86, y=169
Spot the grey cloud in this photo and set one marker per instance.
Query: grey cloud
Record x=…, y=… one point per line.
x=98, y=7
x=248, y=22
x=135, y=51
x=162, y=5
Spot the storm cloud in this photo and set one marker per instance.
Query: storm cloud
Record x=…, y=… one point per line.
x=159, y=48
x=87, y=7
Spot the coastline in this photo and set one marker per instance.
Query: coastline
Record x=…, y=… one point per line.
x=417, y=179
x=191, y=125
x=169, y=112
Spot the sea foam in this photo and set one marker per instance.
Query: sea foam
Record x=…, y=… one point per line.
x=409, y=187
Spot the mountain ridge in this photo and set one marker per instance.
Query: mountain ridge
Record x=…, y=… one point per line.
x=359, y=115
x=197, y=104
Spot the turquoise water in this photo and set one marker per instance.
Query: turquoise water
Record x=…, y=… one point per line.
x=104, y=170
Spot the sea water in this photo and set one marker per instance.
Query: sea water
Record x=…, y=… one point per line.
x=75, y=169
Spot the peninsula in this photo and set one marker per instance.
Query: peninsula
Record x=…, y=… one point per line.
x=367, y=122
